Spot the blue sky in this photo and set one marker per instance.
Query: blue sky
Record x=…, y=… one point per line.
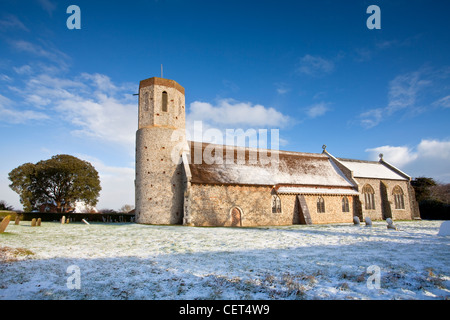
x=311, y=69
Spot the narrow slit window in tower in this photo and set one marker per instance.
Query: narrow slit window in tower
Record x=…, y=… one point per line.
x=164, y=101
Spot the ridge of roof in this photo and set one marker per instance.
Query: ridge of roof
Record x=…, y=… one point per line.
x=252, y=149
x=357, y=160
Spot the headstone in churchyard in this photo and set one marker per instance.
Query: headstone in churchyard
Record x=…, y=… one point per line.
x=356, y=220
x=17, y=221
x=390, y=224
x=444, y=229
x=368, y=222
x=63, y=219
x=33, y=222
x=67, y=220
x=5, y=223
x=38, y=222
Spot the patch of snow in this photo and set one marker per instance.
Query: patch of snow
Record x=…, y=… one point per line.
x=132, y=261
x=312, y=190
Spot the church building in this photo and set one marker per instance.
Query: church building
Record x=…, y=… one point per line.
x=201, y=184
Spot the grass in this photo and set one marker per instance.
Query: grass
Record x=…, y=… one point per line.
x=8, y=254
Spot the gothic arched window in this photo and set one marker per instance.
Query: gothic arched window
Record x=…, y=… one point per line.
x=320, y=205
x=345, y=206
x=399, y=201
x=369, y=197
x=164, y=101
x=276, y=204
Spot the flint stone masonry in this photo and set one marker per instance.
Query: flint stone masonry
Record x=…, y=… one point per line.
x=159, y=141
x=384, y=200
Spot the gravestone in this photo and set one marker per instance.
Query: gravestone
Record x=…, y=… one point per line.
x=356, y=221
x=444, y=229
x=5, y=223
x=17, y=221
x=368, y=222
x=390, y=224
x=38, y=222
x=63, y=219
x=67, y=220
x=33, y=222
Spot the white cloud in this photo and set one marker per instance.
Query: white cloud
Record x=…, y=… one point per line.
x=317, y=110
x=102, y=118
x=371, y=118
x=403, y=90
x=4, y=77
x=102, y=82
x=48, y=6
x=430, y=158
x=434, y=149
x=8, y=113
x=398, y=156
x=50, y=53
x=443, y=102
x=25, y=69
x=93, y=105
x=229, y=112
x=282, y=88
x=315, y=65
x=12, y=22
x=235, y=123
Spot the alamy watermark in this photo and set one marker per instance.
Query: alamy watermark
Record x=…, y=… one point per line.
x=374, y=21
x=74, y=20
x=232, y=146
x=374, y=280
x=74, y=280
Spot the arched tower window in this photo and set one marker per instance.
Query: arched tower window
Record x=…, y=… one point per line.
x=399, y=200
x=320, y=205
x=276, y=204
x=164, y=101
x=369, y=197
x=345, y=206
x=145, y=101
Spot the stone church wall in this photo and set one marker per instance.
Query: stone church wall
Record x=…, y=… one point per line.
x=384, y=200
x=333, y=209
x=211, y=205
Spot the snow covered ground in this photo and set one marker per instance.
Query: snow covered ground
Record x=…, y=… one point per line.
x=132, y=261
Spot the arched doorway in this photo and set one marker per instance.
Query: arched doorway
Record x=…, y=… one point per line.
x=236, y=217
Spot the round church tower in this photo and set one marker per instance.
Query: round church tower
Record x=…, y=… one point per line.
x=159, y=184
